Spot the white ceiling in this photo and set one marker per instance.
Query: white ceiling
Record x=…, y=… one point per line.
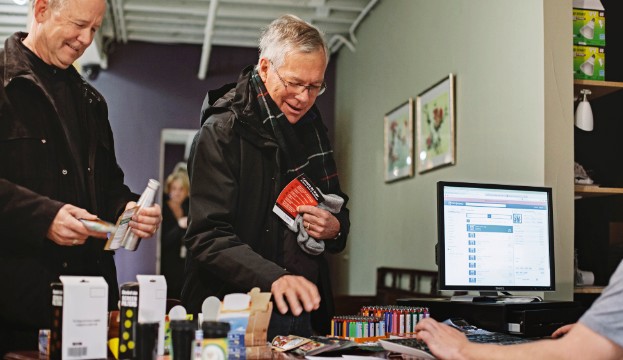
x=205, y=22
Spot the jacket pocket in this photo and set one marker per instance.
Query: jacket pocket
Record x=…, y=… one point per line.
x=26, y=157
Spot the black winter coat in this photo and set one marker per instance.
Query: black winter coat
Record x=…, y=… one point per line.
x=38, y=175
x=234, y=240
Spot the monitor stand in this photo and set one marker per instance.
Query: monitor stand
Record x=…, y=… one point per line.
x=495, y=297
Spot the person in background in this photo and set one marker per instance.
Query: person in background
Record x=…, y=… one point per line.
x=257, y=135
x=174, y=224
x=57, y=165
x=597, y=335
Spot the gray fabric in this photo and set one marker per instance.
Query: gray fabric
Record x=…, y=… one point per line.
x=605, y=316
x=332, y=203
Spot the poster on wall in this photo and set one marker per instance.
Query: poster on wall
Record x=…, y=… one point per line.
x=399, y=142
x=436, y=138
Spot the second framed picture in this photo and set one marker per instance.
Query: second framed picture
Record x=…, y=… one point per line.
x=399, y=142
x=436, y=138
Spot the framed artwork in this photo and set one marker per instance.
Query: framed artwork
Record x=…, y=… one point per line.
x=436, y=137
x=399, y=142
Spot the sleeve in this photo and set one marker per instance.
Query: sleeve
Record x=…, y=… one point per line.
x=338, y=245
x=25, y=216
x=605, y=316
x=211, y=237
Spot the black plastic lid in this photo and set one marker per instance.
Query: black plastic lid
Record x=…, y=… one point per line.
x=214, y=329
x=183, y=325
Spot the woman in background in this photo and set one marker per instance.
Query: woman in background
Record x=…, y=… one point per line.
x=174, y=224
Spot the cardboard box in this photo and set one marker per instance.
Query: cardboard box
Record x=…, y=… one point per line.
x=143, y=301
x=589, y=23
x=589, y=62
x=80, y=318
x=248, y=316
x=128, y=318
x=152, y=303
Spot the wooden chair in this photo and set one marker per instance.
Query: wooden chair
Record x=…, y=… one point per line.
x=397, y=283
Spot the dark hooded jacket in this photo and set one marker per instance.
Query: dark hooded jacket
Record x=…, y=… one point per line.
x=235, y=242
x=39, y=173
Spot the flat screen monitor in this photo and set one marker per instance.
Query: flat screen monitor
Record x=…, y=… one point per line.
x=495, y=238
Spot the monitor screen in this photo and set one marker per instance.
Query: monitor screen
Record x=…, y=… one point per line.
x=495, y=237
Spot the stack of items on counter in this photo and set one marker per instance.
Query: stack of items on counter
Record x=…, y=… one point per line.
x=589, y=40
x=378, y=322
x=141, y=329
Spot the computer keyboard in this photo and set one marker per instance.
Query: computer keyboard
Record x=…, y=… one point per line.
x=417, y=348
x=408, y=346
x=496, y=338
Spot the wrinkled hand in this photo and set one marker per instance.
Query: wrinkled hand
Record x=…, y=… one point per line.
x=66, y=230
x=319, y=223
x=561, y=331
x=295, y=290
x=444, y=341
x=147, y=221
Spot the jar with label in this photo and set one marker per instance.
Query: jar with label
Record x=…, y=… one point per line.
x=214, y=340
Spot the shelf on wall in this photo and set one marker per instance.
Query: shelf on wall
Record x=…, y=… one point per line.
x=597, y=88
x=588, y=289
x=584, y=191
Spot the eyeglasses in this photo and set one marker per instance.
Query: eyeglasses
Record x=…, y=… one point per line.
x=296, y=88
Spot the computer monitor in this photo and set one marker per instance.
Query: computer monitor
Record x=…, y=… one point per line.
x=495, y=238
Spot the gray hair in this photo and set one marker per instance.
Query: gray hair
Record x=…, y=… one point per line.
x=289, y=34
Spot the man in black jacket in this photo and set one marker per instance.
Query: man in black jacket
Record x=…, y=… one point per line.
x=57, y=165
x=258, y=135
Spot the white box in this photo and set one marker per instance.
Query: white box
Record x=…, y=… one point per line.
x=152, y=303
x=84, y=304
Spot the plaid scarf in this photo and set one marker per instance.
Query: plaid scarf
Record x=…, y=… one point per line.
x=305, y=145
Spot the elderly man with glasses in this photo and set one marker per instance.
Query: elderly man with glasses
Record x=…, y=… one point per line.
x=257, y=135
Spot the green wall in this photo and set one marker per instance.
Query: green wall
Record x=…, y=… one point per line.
x=512, y=62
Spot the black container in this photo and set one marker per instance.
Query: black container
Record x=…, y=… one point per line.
x=214, y=329
x=182, y=336
x=147, y=341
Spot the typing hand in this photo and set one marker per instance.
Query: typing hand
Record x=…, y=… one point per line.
x=67, y=230
x=444, y=341
x=299, y=293
x=147, y=221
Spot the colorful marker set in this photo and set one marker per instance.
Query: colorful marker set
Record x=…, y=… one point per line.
x=378, y=322
x=354, y=326
x=397, y=319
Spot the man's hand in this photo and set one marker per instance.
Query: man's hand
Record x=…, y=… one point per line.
x=295, y=290
x=444, y=341
x=66, y=230
x=147, y=221
x=319, y=223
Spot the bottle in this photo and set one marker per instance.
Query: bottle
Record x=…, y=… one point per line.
x=131, y=240
x=215, y=340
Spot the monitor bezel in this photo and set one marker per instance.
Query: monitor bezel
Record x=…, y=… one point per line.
x=441, y=185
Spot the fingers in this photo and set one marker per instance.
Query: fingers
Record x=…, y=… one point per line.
x=65, y=229
x=147, y=221
x=295, y=293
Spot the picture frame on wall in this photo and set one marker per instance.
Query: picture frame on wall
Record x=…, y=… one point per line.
x=436, y=136
x=398, y=125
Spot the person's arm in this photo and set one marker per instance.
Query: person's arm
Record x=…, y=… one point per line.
x=25, y=215
x=581, y=342
x=29, y=218
x=211, y=238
